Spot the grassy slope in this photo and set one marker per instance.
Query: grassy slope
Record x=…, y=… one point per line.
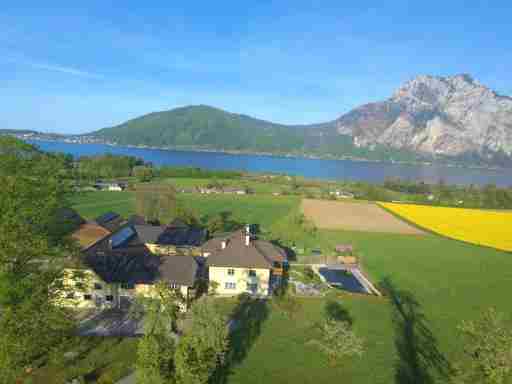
x=450, y=280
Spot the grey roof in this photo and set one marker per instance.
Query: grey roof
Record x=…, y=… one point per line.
x=176, y=234
x=212, y=245
x=177, y=223
x=270, y=251
x=180, y=270
x=70, y=218
x=183, y=236
x=258, y=254
x=111, y=221
x=148, y=234
x=137, y=265
x=136, y=220
x=128, y=265
x=106, y=217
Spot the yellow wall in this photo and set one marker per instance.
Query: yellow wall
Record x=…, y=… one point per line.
x=240, y=278
x=81, y=282
x=172, y=250
x=148, y=291
x=87, y=278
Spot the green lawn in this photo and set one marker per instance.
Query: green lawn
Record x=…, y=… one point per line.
x=92, y=204
x=446, y=280
x=96, y=359
x=449, y=281
x=254, y=209
x=274, y=348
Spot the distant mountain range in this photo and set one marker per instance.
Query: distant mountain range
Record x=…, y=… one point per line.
x=208, y=128
x=453, y=119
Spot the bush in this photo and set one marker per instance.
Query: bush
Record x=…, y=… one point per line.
x=309, y=273
x=106, y=378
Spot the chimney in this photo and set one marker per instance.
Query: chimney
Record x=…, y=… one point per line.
x=247, y=240
x=223, y=244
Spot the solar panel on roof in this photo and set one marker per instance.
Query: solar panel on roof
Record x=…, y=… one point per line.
x=107, y=217
x=182, y=237
x=122, y=237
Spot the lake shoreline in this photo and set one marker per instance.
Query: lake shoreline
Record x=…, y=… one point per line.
x=275, y=155
x=320, y=169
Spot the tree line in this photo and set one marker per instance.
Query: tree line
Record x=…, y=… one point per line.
x=441, y=193
x=109, y=166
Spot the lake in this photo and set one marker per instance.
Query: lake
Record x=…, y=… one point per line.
x=310, y=168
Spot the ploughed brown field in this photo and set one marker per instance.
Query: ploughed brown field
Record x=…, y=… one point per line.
x=354, y=216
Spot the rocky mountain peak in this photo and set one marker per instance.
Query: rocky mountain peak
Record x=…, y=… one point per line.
x=435, y=90
x=433, y=114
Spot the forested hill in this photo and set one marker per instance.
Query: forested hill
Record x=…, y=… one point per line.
x=17, y=132
x=205, y=127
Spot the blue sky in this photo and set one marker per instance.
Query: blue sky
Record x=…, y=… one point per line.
x=76, y=68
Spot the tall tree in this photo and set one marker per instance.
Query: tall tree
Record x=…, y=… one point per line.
x=32, y=193
x=143, y=173
x=156, y=201
x=202, y=349
x=337, y=340
x=156, y=349
x=488, y=350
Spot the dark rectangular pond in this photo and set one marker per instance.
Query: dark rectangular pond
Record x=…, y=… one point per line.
x=342, y=279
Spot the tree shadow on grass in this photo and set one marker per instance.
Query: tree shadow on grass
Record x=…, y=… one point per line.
x=335, y=311
x=244, y=328
x=419, y=359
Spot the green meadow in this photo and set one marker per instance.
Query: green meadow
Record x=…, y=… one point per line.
x=261, y=209
x=432, y=284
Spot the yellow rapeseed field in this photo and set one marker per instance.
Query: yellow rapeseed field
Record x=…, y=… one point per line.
x=489, y=228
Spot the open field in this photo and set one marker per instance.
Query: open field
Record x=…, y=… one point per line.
x=354, y=216
x=482, y=227
x=447, y=281
x=255, y=209
x=444, y=280
x=255, y=186
x=93, y=204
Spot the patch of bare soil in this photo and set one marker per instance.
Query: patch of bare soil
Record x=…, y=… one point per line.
x=352, y=216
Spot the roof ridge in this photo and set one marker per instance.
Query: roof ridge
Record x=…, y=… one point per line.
x=260, y=251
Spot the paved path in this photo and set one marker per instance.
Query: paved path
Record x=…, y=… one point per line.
x=130, y=379
x=111, y=322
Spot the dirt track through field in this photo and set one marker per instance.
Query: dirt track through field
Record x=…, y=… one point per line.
x=366, y=217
